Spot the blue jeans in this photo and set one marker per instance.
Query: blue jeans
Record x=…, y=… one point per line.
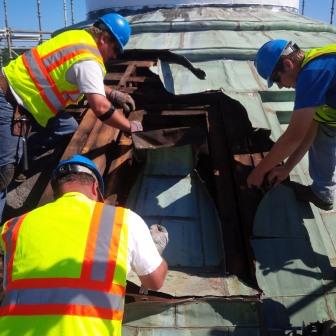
x=11, y=146
x=50, y=136
x=322, y=163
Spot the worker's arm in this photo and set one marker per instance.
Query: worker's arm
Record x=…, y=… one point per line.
x=286, y=145
x=89, y=77
x=144, y=247
x=101, y=105
x=280, y=173
x=155, y=279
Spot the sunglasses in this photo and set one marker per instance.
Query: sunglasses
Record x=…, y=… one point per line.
x=276, y=78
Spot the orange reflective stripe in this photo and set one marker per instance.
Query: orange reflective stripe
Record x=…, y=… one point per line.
x=42, y=68
x=69, y=298
x=73, y=50
x=62, y=310
x=93, y=294
x=91, y=241
x=43, y=81
x=64, y=59
x=67, y=282
x=10, y=239
x=72, y=92
x=114, y=247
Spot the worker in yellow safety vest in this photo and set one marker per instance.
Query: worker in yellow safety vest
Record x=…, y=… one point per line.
x=313, y=122
x=41, y=82
x=66, y=262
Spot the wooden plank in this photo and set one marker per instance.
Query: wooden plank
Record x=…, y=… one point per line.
x=129, y=71
x=99, y=147
x=119, y=76
x=140, y=64
x=81, y=135
x=75, y=146
x=94, y=138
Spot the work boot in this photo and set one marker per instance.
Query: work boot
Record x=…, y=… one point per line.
x=305, y=194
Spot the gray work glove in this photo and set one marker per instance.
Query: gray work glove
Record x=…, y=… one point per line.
x=136, y=126
x=123, y=100
x=160, y=236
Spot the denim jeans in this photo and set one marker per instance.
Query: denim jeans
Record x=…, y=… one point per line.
x=50, y=136
x=11, y=146
x=322, y=163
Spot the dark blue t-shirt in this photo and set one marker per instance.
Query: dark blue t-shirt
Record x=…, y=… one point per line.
x=316, y=83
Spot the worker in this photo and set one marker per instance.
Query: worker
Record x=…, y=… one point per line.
x=313, y=122
x=39, y=84
x=66, y=262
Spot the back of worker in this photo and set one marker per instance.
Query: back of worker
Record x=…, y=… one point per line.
x=66, y=265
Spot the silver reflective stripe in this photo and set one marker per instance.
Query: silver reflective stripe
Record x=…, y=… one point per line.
x=65, y=51
x=9, y=242
x=103, y=244
x=63, y=296
x=43, y=82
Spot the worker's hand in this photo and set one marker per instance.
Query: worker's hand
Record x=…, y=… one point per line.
x=123, y=100
x=136, y=126
x=277, y=175
x=256, y=178
x=160, y=236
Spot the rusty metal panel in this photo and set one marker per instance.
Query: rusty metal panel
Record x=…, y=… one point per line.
x=206, y=282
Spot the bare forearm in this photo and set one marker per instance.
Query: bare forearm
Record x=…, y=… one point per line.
x=155, y=280
x=102, y=107
x=285, y=147
x=298, y=154
x=119, y=121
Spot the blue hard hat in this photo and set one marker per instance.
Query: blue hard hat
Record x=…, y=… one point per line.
x=118, y=26
x=267, y=58
x=74, y=164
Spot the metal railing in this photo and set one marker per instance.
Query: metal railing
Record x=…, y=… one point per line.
x=13, y=41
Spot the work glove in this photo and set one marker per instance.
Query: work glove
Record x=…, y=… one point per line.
x=123, y=100
x=136, y=126
x=160, y=237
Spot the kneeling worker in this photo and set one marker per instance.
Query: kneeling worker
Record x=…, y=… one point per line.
x=66, y=262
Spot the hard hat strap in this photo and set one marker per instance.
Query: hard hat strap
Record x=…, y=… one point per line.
x=70, y=168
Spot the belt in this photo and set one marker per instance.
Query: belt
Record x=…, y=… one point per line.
x=7, y=91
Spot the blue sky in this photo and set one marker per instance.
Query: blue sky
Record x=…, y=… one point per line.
x=22, y=14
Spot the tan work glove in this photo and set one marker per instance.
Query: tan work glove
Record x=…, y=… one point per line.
x=123, y=100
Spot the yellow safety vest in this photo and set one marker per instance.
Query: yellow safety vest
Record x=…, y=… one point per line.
x=324, y=113
x=65, y=269
x=39, y=75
